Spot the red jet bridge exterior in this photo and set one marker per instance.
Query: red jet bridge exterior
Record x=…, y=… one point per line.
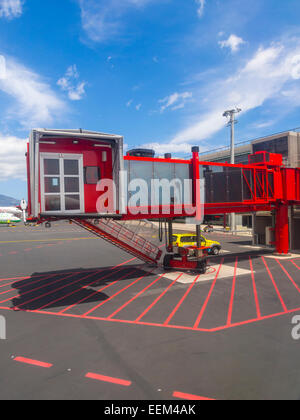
x=64, y=167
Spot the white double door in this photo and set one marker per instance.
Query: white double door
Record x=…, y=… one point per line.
x=62, y=184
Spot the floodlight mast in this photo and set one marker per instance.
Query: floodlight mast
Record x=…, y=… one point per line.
x=230, y=114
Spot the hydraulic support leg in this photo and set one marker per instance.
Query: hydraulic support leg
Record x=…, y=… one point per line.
x=199, y=241
x=170, y=236
x=282, y=229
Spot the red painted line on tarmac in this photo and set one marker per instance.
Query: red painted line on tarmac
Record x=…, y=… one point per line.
x=116, y=294
x=54, y=291
x=181, y=301
x=26, y=277
x=200, y=316
x=96, y=291
x=32, y=362
x=158, y=299
x=288, y=275
x=37, y=288
x=293, y=262
x=253, y=321
x=109, y=379
x=190, y=397
x=126, y=262
x=275, y=285
x=16, y=278
x=152, y=324
x=86, y=297
x=25, y=285
x=13, y=253
x=134, y=298
x=255, y=290
x=229, y=318
x=82, y=300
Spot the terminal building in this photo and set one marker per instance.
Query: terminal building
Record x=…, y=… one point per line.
x=288, y=145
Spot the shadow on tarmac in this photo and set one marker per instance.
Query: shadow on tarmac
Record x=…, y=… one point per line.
x=70, y=287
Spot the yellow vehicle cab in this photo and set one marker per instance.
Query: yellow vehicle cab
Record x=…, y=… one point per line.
x=187, y=240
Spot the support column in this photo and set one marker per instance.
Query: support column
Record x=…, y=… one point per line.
x=170, y=236
x=282, y=229
x=197, y=198
x=254, y=234
x=199, y=241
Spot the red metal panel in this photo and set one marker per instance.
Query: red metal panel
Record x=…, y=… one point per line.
x=289, y=182
x=282, y=228
x=298, y=185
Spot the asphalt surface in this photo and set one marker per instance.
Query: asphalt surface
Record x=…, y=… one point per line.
x=86, y=321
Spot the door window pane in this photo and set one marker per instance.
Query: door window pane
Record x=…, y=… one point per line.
x=72, y=202
x=71, y=167
x=52, y=185
x=51, y=166
x=52, y=203
x=71, y=185
x=91, y=175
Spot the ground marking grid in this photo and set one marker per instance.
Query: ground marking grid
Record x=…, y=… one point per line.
x=165, y=323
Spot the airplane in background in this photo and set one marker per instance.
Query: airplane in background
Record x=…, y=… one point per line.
x=15, y=211
x=9, y=219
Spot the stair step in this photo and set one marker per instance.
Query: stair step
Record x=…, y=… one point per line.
x=136, y=245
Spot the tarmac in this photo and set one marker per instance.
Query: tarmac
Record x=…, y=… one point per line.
x=86, y=321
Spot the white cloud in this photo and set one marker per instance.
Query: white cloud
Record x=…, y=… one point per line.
x=103, y=20
x=270, y=74
x=175, y=101
x=11, y=9
x=2, y=67
x=70, y=84
x=35, y=103
x=12, y=158
x=138, y=107
x=233, y=42
x=201, y=4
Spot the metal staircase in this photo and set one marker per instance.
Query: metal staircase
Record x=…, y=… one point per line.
x=122, y=237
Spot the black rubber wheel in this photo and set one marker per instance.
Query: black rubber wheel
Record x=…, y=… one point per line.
x=202, y=266
x=47, y=225
x=215, y=251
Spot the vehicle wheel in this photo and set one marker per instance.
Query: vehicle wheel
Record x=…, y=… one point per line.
x=47, y=225
x=215, y=251
x=167, y=261
x=202, y=266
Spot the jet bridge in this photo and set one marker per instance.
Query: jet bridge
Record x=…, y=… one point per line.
x=83, y=176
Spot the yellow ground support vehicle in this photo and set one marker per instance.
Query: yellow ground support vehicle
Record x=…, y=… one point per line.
x=188, y=239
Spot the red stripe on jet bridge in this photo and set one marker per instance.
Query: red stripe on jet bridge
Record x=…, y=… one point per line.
x=109, y=379
x=32, y=362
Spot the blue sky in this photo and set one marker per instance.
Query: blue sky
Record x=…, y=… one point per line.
x=159, y=72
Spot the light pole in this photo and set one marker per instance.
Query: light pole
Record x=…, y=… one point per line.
x=231, y=123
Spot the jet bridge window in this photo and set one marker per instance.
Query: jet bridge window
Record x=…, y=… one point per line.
x=92, y=175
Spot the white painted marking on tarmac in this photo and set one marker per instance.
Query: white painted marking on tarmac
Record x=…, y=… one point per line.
x=252, y=247
x=283, y=257
x=225, y=272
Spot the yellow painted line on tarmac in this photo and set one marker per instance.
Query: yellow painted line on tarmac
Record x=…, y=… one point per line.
x=44, y=240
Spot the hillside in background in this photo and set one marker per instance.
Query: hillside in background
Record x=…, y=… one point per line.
x=8, y=201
